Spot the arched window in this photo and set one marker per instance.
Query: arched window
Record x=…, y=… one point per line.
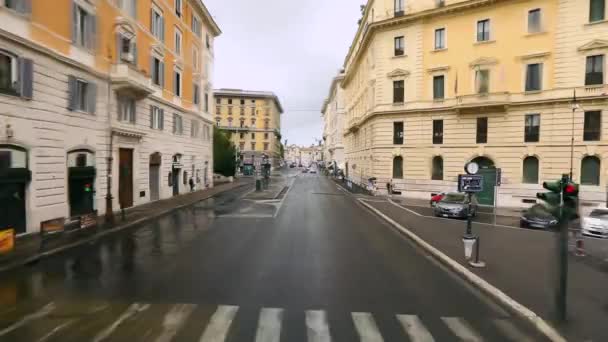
x=437, y=173
x=398, y=167
x=530, y=170
x=590, y=171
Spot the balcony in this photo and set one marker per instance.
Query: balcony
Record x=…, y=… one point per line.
x=595, y=90
x=475, y=103
x=128, y=80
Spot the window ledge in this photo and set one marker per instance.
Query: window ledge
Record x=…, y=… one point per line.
x=599, y=22
x=400, y=104
x=483, y=42
x=594, y=86
x=15, y=13
x=532, y=34
x=439, y=50
x=532, y=92
x=400, y=56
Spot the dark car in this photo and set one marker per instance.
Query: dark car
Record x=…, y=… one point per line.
x=454, y=204
x=292, y=165
x=537, y=216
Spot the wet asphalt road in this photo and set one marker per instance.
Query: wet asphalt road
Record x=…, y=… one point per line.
x=323, y=268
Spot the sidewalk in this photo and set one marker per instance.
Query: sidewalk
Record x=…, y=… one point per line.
x=31, y=248
x=523, y=264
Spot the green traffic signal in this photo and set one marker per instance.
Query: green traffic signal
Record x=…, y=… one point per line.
x=552, y=198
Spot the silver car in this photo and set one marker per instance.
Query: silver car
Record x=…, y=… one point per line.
x=596, y=224
x=454, y=204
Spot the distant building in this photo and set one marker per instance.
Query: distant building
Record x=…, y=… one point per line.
x=334, y=114
x=253, y=119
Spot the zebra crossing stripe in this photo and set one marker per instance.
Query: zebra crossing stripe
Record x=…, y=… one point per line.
x=317, y=328
x=174, y=320
x=131, y=311
x=366, y=327
x=462, y=329
x=220, y=322
x=509, y=330
x=269, y=325
x=415, y=329
x=44, y=311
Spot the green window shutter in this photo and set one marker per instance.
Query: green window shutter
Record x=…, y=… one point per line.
x=91, y=97
x=26, y=78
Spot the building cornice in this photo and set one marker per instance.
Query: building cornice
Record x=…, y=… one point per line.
x=215, y=29
x=249, y=94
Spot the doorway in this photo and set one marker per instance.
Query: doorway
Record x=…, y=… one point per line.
x=14, y=177
x=155, y=161
x=488, y=171
x=125, y=178
x=81, y=179
x=175, y=181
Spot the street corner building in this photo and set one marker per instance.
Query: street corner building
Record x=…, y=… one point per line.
x=517, y=86
x=333, y=113
x=253, y=121
x=104, y=104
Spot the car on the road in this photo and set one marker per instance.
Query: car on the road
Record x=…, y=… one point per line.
x=305, y=170
x=313, y=170
x=292, y=165
x=537, y=216
x=454, y=204
x=596, y=224
x=435, y=198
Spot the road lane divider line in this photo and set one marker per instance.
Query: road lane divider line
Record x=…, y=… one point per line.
x=406, y=209
x=528, y=315
x=43, y=312
x=131, y=311
x=366, y=327
x=462, y=329
x=174, y=320
x=220, y=323
x=269, y=325
x=56, y=330
x=508, y=329
x=415, y=329
x=317, y=328
x=278, y=210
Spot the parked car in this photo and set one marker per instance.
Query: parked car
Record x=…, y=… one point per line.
x=454, y=204
x=436, y=198
x=537, y=216
x=305, y=170
x=596, y=224
x=313, y=170
x=292, y=165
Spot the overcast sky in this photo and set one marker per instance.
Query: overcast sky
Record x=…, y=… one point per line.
x=292, y=48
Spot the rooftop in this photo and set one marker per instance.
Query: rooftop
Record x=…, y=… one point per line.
x=250, y=94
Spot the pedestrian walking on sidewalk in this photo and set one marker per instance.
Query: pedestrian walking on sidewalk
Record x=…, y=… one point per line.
x=191, y=185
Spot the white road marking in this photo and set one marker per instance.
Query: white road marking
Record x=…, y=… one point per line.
x=366, y=327
x=278, y=210
x=131, y=311
x=462, y=329
x=404, y=208
x=56, y=330
x=44, y=311
x=511, y=331
x=415, y=329
x=317, y=328
x=174, y=320
x=269, y=325
x=220, y=322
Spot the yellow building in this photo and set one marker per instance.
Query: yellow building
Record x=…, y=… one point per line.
x=253, y=119
x=111, y=96
x=430, y=85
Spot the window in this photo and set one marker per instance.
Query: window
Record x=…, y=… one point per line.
x=594, y=73
x=482, y=81
x=253, y=121
x=534, y=77
x=242, y=146
x=127, y=49
x=129, y=7
x=252, y=110
x=482, y=130
x=196, y=96
x=530, y=170
x=438, y=132
x=229, y=101
x=126, y=109
x=242, y=102
x=242, y=110
x=399, y=46
x=242, y=123
x=398, y=133
x=592, y=126
x=532, y=128
x=196, y=62
x=253, y=146
x=398, y=8
x=83, y=27
x=196, y=26
x=597, y=10
x=437, y=173
x=218, y=121
x=195, y=129
x=157, y=25
x=158, y=71
x=438, y=87
x=398, y=92
x=483, y=30
x=16, y=75
x=440, y=39
x=252, y=136
x=157, y=118
x=82, y=95
x=178, y=124
x=266, y=124
x=177, y=83
x=229, y=110
x=208, y=41
x=398, y=167
x=21, y=6
x=242, y=135
x=206, y=103
x=218, y=110
x=265, y=136
x=590, y=171
x=178, y=8
x=534, y=21
x=218, y=101
x=178, y=41
x=266, y=145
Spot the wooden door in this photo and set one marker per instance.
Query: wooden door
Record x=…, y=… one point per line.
x=125, y=178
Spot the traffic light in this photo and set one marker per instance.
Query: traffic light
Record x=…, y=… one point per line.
x=570, y=196
x=553, y=197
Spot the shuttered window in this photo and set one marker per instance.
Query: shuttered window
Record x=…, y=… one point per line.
x=196, y=96
x=178, y=124
x=16, y=75
x=157, y=24
x=177, y=83
x=127, y=109
x=82, y=95
x=157, y=70
x=21, y=6
x=398, y=167
x=530, y=170
x=84, y=27
x=590, y=171
x=482, y=81
x=157, y=118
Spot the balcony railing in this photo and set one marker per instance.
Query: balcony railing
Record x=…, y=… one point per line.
x=125, y=78
x=489, y=101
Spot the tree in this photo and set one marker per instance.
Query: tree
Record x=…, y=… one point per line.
x=224, y=153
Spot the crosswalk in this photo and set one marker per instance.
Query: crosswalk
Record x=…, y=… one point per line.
x=192, y=322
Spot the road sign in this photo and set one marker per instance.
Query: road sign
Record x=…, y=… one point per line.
x=470, y=183
x=498, y=177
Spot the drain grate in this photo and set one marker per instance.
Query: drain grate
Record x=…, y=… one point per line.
x=282, y=193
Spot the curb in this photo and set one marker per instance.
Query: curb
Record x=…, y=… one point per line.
x=528, y=315
x=45, y=254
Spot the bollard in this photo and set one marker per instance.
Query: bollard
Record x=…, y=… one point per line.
x=258, y=185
